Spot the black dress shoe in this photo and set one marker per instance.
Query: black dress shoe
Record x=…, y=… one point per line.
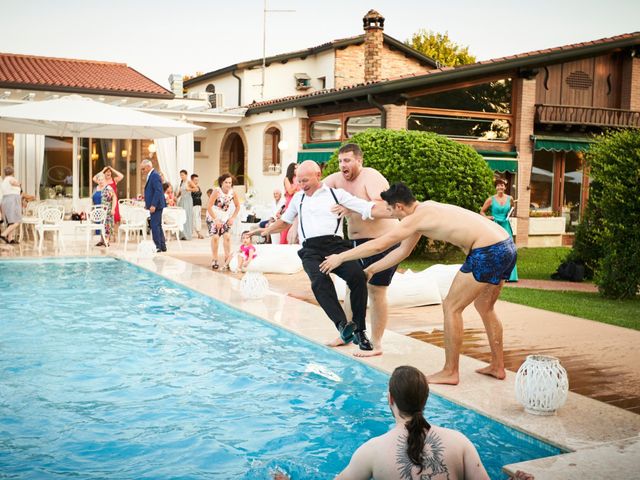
x=346, y=331
x=360, y=339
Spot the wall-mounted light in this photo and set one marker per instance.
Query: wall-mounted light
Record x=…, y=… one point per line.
x=94, y=156
x=124, y=153
x=283, y=145
x=152, y=147
x=111, y=155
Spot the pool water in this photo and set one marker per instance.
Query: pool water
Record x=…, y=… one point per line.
x=110, y=371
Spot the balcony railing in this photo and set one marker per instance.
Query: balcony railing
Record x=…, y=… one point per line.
x=569, y=115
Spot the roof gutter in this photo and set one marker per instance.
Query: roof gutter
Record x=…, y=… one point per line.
x=383, y=111
x=460, y=73
x=233, y=73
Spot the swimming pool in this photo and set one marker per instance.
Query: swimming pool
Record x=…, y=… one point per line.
x=110, y=371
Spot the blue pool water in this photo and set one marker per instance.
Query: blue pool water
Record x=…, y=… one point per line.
x=110, y=371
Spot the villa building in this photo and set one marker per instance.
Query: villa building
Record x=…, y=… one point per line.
x=531, y=116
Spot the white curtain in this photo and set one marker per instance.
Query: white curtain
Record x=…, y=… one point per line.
x=185, y=153
x=28, y=161
x=167, y=159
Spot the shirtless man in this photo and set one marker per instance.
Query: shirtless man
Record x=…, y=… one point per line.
x=365, y=183
x=491, y=257
x=433, y=452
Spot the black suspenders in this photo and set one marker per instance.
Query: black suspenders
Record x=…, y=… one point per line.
x=300, y=213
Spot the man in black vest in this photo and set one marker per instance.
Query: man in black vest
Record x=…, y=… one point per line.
x=320, y=229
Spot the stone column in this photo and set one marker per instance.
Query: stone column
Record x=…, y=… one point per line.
x=396, y=117
x=373, y=44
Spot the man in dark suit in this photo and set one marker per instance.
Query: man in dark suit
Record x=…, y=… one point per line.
x=154, y=202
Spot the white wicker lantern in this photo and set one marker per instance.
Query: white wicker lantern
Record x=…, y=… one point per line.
x=254, y=285
x=541, y=385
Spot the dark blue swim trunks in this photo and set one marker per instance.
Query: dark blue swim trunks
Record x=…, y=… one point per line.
x=493, y=263
x=383, y=278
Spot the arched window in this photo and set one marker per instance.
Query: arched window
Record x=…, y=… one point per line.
x=211, y=90
x=271, y=162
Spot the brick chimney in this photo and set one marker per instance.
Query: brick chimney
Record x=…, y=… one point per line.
x=373, y=24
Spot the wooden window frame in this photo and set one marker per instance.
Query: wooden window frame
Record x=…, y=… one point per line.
x=343, y=117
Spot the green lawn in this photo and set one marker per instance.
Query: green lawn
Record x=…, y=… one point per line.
x=540, y=263
x=624, y=313
x=536, y=263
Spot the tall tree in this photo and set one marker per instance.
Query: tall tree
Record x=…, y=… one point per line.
x=441, y=48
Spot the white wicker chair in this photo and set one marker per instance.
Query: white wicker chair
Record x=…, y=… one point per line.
x=30, y=219
x=50, y=220
x=95, y=222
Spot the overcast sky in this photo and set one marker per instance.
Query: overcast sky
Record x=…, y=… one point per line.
x=160, y=37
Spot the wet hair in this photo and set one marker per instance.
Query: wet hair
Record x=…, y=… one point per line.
x=409, y=389
x=194, y=175
x=223, y=177
x=291, y=171
x=398, y=193
x=499, y=181
x=184, y=171
x=351, y=147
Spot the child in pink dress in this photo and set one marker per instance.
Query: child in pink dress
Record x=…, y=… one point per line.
x=247, y=252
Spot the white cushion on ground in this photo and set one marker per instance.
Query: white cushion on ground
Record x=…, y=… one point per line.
x=406, y=290
x=273, y=259
x=443, y=276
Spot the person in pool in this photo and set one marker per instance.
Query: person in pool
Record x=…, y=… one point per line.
x=413, y=448
x=491, y=255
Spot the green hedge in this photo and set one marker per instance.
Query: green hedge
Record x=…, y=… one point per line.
x=608, y=239
x=433, y=166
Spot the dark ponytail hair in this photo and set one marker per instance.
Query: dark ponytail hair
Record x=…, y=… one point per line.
x=409, y=389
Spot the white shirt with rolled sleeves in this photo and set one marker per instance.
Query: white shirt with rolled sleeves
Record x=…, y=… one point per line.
x=317, y=219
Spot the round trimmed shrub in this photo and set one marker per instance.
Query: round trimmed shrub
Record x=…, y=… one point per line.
x=608, y=239
x=433, y=166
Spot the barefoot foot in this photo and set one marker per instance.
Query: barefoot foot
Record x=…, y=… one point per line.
x=499, y=373
x=335, y=343
x=444, y=378
x=368, y=353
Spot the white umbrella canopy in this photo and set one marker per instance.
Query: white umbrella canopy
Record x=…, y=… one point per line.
x=76, y=116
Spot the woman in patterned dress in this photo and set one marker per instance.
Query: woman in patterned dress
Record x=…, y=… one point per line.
x=108, y=199
x=222, y=210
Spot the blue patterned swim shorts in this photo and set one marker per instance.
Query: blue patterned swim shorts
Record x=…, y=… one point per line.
x=493, y=263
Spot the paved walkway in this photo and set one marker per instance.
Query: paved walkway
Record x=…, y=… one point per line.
x=554, y=285
x=603, y=361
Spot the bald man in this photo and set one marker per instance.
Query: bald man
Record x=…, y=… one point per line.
x=320, y=229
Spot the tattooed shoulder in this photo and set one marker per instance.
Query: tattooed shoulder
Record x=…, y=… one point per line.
x=433, y=466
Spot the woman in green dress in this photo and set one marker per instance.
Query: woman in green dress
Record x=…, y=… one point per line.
x=501, y=205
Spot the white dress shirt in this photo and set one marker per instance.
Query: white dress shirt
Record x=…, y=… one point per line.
x=317, y=219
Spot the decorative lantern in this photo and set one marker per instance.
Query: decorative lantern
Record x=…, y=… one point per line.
x=254, y=285
x=146, y=249
x=541, y=385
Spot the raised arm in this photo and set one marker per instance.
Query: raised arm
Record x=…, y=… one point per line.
x=116, y=175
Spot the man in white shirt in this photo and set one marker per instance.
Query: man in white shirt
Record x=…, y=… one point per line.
x=320, y=229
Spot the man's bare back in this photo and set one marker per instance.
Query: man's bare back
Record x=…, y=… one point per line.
x=456, y=225
x=367, y=185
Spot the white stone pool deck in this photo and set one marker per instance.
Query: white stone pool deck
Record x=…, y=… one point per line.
x=603, y=440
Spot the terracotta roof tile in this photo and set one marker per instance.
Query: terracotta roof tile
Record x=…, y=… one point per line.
x=28, y=71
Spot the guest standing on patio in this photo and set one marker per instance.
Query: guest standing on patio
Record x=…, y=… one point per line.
x=154, y=202
x=11, y=205
x=222, y=210
x=501, y=205
x=290, y=188
x=491, y=255
x=196, y=197
x=113, y=177
x=185, y=201
x=104, y=195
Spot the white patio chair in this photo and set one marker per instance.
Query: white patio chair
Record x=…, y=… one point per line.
x=94, y=222
x=30, y=219
x=173, y=220
x=50, y=221
x=134, y=220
